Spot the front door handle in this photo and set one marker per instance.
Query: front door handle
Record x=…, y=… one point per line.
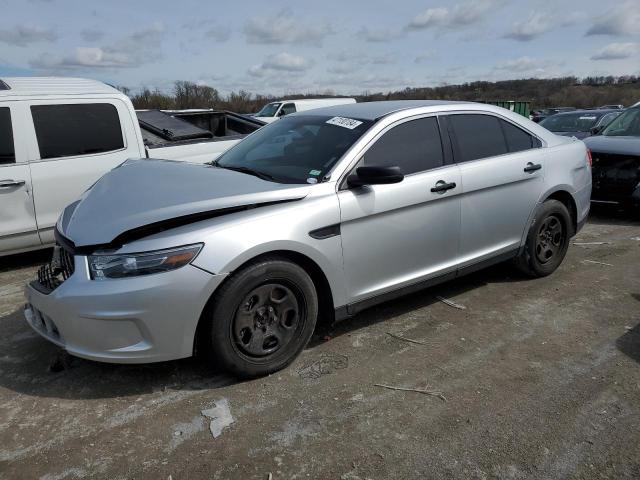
x=443, y=186
x=11, y=183
x=531, y=167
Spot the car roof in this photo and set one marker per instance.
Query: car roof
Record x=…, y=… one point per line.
x=594, y=111
x=376, y=110
x=14, y=86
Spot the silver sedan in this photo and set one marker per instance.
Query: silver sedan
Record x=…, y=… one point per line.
x=319, y=215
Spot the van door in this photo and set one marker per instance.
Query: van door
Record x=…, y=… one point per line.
x=78, y=141
x=402, y=234
x=502, y=179
x=18, y=229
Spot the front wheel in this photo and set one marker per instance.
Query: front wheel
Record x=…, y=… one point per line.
x=262, y=318
x=547, y=240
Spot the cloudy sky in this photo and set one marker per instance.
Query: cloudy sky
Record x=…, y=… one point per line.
x=339, y=45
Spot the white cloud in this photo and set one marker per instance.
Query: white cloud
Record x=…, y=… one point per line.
x=523, y=64
x=615, y=51
x=92, y=34
x=133, y=50
x=461, y=15
x=23, y=35
x=623, y=19
x=285, y=28
x=375, y=35
x=280, y=62
x=535, y=25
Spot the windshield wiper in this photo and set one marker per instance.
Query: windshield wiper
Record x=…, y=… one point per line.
x=248, y=171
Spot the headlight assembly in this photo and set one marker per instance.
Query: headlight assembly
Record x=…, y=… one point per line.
x=135, y=264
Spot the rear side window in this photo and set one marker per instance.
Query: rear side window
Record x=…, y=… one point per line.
x=7, y=152
x=477, y=136
x=77, y=129
x=414, y=146
x=288, y=108
x=517, y=139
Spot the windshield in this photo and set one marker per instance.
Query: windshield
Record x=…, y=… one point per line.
x=570, y=122
x=269, y=110
x=296, y=149
x=626, y=125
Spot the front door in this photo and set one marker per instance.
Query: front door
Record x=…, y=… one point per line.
x=18, y=229
x=400, y=234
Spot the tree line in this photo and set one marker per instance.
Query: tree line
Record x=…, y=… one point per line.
x=553, y=92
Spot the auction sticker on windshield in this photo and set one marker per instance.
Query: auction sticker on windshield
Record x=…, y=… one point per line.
x=349, y=123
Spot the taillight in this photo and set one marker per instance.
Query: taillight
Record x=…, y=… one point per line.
x=589, y=159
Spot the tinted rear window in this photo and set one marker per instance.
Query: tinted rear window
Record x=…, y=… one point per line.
x=477, y=136
x=414, y=146
x=517, y=139
x=7, y=152
x=77, y=129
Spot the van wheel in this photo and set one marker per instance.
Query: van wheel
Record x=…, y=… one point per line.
x=547, y=240
x=262, y=318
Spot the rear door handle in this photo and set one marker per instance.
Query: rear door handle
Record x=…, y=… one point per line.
x=531, y=167
x=443, y=186
x=11, y=183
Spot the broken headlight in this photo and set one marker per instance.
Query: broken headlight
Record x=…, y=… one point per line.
x=104, y=266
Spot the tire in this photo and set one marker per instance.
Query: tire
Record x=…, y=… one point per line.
x=261, y=318
x=547, y=240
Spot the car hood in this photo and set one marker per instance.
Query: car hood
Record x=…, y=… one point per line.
x=162, y=193
x=578, y=135
x=619, y=145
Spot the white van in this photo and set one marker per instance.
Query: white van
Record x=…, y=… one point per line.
x=274, y=110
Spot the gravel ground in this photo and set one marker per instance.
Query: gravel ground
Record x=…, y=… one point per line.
x=539, y=379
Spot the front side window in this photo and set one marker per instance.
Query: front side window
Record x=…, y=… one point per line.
x=269, y=110
x=296, y=149
x=288, y=108
x=626, y=125
x=477, y=136
x=608, y=118
x=77, y=129
x=414, y=146
x=7, y=150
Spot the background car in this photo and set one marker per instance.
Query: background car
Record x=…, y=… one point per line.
x=616, y=160
x=580, y=123
x=539, y=115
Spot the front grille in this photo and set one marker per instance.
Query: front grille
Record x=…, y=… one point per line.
x=59, y=269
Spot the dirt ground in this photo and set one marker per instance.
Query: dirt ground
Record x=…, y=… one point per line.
x=541, y=380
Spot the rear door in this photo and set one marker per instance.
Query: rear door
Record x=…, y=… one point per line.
x=401, y=234
x=502, y=168
x=77, y=142
x=18, y=229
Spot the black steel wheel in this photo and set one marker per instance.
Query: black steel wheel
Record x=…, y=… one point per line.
x=261, y=318
x=550, y=239
x=547, y=240
x=267, y=319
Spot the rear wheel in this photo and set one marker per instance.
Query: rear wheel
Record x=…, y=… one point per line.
x=262, y=318
x=547, y=240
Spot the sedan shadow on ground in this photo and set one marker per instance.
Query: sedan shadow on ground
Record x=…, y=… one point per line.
x=605, y=214
x=32, y=366
x=629, y=343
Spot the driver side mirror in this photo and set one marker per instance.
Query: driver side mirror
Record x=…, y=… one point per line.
x=596, y=130
x=281, y=113
x=375, y=176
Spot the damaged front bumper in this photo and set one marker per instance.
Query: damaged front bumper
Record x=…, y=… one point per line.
x=616, y=178
x=143, y=319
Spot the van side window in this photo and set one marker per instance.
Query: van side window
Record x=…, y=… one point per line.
x=414, y=146
x=517, y=139
x=477, y=136
x=7, y=151
x=288, y=108
x=77, y=129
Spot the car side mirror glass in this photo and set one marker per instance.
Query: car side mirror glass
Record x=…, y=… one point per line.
x=373, y=175
x=596, y=130
x=281, y=113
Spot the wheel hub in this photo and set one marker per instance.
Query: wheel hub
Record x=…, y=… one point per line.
x=266, y=319
x=550, y=239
